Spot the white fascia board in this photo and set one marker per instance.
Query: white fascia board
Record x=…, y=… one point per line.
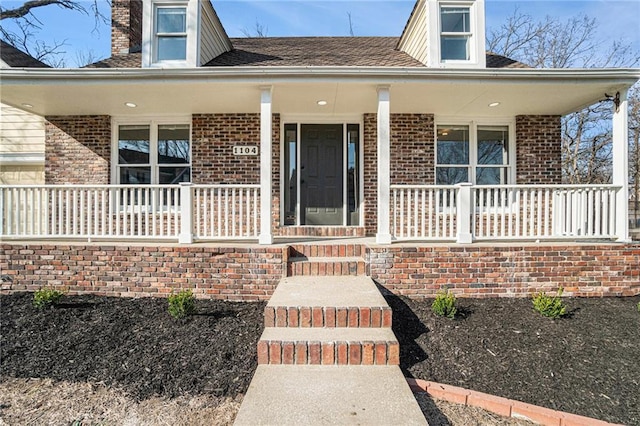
x=381, y=75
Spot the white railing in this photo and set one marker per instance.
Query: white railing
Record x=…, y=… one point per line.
x=423, y=212
x=173, y=212
x=544, y=212
x=224, y=211
x=464, y=212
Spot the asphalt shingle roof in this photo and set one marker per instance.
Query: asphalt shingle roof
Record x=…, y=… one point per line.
x=310, y=52
x=16, y=58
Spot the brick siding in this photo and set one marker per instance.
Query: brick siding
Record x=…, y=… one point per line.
x=507, y=271
x=126, y=26
x=137, y=271
x=252, y=272
x=538, y=149
x=77, y=149
x=412, y=157
x=213, y=162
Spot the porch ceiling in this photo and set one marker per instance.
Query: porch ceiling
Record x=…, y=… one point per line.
x=297, y=90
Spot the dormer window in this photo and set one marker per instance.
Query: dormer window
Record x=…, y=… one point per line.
x=171, y=33
x=455, y=33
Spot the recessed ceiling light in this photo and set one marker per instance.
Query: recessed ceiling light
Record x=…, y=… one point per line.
x=445, y=133
x=27, y=105
x=130, y=104
x=494, y=104
x=322, y=102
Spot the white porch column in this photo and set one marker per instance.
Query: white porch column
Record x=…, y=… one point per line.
x=186, y=214
x=384, y=165
x=463, y=214
x=621, y=166
x=265, y=166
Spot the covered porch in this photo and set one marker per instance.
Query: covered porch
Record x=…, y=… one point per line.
x=392, y=203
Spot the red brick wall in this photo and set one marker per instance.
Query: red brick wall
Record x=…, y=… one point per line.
x=538, y=149
x=126, y=26
x=134, y=271
x=508, y=271
x=213, y=138
x=77, y=149
x=412, y=157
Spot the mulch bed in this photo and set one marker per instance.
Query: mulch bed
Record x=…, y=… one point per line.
x=132, y=344
x=588, y=363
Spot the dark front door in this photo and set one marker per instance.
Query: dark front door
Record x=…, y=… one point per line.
x=321, y=174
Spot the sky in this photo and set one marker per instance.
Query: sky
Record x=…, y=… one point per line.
x=617, y=19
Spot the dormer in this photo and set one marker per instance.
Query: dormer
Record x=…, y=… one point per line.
x=168, y=33
x=446, y=34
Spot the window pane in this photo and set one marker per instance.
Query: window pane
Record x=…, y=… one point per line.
x=171, y=20
x=172, y=48
x=174, y=175
x=290, y=178
x=455, y=20
x=135, y=175
x=133, y=145
x=353, y=188
x=491, y=176
x=451, y=175
x=454, y=48
x=173, y=144
x=493, y=143
x=453, y=145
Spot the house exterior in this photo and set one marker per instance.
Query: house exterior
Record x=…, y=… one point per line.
x=21, y=133
x=441, y=158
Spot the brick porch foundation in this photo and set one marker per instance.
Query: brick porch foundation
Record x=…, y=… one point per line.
x=251, y=272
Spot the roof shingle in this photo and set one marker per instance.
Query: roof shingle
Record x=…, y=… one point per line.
x=16, y=58
x=310, y=52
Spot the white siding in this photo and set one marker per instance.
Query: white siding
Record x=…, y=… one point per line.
x=213, y=38
x=414, y=40
x=21, y=147
x=20, y=131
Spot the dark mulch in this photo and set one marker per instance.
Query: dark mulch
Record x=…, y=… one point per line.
x=587, y=363
x=133, y=344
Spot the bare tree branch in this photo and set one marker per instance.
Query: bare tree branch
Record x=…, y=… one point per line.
x=27, y=6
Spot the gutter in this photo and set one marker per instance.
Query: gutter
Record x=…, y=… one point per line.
x=380, y=75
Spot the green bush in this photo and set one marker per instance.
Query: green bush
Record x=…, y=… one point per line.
x=182, y=304
x=444, y=305
x=46, y=297
x=550, y=306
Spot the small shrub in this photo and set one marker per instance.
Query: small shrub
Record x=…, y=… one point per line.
x=550, y=306
x=445, y=305
x=182, y=304
x=46, y=297
x=638, y=306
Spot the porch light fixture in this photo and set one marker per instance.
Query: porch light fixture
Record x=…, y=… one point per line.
x=27, y=105
x=130, y=104
x=494, y=104
x=322, y=102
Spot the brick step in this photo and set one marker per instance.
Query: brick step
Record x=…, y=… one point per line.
x=323, y=346
x=326, y=250
x=330, y=317
x=324, y=266
x=340, y=301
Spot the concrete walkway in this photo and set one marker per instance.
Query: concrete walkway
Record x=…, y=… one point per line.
x=328, y=356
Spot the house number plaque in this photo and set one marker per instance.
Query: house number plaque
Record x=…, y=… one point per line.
x=245, y=150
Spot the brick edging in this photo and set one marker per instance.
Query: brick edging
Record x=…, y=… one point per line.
x=502, y=406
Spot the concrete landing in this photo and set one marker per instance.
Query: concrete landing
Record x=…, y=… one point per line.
x=343, y=291
x=329, y=395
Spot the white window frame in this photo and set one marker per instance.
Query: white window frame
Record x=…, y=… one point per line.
x=477, y=53
x=153, y=124
x=150, y=37
x=473, y=145
x=157, y=35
